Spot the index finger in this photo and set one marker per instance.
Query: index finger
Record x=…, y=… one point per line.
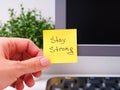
x=25, y=45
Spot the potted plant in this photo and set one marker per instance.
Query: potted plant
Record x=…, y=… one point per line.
x=29, y=24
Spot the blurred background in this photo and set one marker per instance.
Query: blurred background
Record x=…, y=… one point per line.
x=47, y=7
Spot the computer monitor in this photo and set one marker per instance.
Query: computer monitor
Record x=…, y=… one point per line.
x=98, y=29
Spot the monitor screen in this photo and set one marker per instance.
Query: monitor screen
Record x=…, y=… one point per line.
x=97, y=23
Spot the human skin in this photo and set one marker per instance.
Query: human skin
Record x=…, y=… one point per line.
x=20, y=61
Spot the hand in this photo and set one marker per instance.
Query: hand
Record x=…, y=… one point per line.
x=20, y=60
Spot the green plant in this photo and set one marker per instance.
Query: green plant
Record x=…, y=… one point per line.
x=28, y=24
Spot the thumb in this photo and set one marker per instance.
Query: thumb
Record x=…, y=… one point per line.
x=33, y=65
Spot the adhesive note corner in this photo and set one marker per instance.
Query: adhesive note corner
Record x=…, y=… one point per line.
x=60, y=45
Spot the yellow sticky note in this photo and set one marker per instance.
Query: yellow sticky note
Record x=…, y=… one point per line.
x=60, y=45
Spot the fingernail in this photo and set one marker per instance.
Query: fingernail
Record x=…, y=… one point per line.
x=45, y=61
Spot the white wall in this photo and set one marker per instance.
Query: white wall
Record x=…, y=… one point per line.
x=47, y=7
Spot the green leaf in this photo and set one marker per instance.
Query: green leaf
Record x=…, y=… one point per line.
x=28, y=24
